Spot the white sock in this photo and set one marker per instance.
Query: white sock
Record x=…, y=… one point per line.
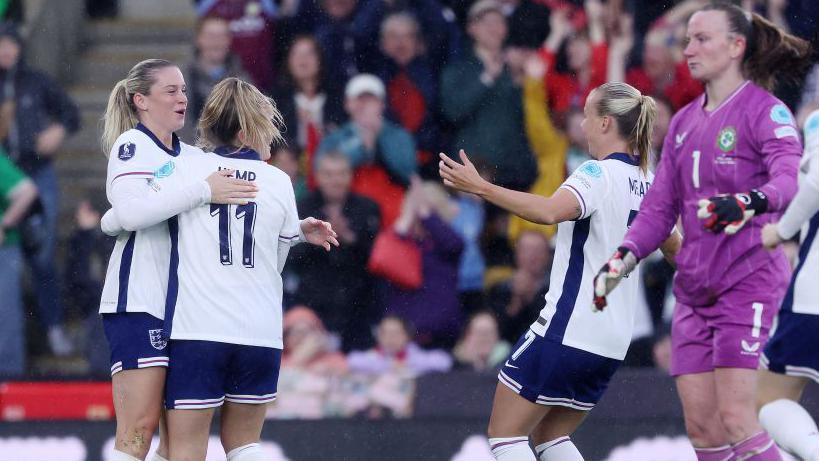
x=156, y=457
x=792, y=428
x=561, y=449
x=512, y=449
x=249, y=452
x=120, y=456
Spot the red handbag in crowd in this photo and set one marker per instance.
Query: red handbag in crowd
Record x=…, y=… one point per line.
x=397, y=260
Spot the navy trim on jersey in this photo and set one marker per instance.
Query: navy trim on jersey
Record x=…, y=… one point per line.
x=125, y=273
x=177, y=148
x=173, y=276
x=242, y=153
x=571, y=282
x=625, y=158
x=787, y=304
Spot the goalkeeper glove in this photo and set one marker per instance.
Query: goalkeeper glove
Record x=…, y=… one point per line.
x=621, y=263
x=731, y=212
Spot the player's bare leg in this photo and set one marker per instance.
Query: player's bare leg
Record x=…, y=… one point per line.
x=162, y=451
x=736, y=400
x=242, y=430
x=702, y=420
x=188, y=432
x=513, y=419
x=137, y=402
x=551, y=437
x=788, y=423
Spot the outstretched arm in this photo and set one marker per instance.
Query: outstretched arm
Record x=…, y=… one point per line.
x=561, y=206
x=136, y=205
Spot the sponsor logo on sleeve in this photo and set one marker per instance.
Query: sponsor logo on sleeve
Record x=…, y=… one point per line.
x=727, y=139
x=591, y=169
x=127, y=151
x=165, y=170
x=785, y=131
x=781, y=115
x=812, y=126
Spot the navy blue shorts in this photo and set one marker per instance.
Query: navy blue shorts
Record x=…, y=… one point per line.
x=205, y=374
x=549, y=373
x=136, y=340
x=793, y=349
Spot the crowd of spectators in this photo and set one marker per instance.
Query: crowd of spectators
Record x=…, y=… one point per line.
x=371, y=91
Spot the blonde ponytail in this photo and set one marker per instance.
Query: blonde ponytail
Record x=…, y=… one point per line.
x=121, y=114
x=635, y=115
x=644, y=129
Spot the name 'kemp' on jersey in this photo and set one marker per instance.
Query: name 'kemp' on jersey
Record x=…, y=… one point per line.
x=610, y=192
x=235, y=254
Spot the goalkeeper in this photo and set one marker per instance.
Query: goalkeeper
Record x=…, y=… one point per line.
x=729, y=165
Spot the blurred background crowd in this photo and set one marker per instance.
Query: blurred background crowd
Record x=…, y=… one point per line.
x=371, y=91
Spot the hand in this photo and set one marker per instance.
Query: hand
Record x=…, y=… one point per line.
x=559, y=29
x=621, y=263
x=341, y=225
x=770, y=236
x=462, y=177
x=87, y=217
x=731, y=212
x=224, y=189
x=49, y=140
x=534, y=67
x=318, y=232
x=420, y=199
x=594, y=11
x=622, y=42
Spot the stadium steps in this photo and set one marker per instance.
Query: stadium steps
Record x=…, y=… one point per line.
x=145, y=29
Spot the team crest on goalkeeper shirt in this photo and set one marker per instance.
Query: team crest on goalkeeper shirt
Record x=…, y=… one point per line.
x=158, y=339
x=727, y=139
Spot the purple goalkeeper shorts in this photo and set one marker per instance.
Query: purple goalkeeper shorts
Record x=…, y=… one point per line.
x=732, y=332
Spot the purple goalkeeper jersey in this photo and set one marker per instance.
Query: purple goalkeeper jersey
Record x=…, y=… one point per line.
x=749, y=142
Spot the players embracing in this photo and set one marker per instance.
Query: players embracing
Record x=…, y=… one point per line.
x=180, y=211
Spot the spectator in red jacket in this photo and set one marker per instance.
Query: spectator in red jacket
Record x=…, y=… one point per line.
x=662, y=73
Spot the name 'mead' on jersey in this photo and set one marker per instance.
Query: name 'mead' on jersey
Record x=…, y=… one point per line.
x=609, y=192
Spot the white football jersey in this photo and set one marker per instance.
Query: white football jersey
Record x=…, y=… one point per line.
x=803, y=293
x=609, y=192
x=137, y=275
x=227, y=284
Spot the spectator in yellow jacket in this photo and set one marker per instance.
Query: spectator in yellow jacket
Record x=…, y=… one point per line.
x=548, y=144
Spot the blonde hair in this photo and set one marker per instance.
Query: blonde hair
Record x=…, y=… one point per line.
x=121, y=113
x=635, y=114
x=233, y=106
